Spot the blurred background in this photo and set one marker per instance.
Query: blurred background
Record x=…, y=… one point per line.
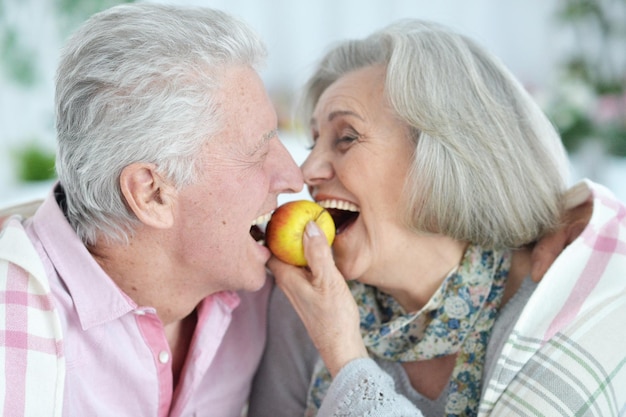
x=570, y=54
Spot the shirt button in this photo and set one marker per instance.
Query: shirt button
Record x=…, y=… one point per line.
x=164, y=357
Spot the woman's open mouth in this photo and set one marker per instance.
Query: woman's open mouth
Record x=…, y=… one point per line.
x=343, y=213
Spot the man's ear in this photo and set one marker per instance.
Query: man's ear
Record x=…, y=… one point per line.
x=148, y=195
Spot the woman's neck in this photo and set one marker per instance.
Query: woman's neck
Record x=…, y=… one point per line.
x=417, y=268
x=520, y=269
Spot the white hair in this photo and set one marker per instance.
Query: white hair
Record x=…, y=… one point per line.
x=136, y=83
x=488, y=166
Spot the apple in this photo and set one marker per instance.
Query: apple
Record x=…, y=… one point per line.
x=284, y=232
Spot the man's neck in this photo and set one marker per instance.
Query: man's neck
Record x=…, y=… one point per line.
x=142, y=270
x=179, y=336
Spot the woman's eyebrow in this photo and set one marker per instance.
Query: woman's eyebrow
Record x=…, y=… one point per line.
x=336, y=114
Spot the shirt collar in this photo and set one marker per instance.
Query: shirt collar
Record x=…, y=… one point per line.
x=96, y=297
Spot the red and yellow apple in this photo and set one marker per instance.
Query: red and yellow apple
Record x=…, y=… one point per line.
x=284, y=232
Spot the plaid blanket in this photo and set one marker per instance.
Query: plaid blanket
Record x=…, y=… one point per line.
x=32, y=366
x=567, y=353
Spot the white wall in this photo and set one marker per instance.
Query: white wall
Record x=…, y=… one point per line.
x=521, y=32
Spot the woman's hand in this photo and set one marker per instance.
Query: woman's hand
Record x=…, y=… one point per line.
x=323, y=301
x=579, y=205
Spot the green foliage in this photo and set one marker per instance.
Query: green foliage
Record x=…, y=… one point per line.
x=19, y=65
x=599, y=64
x=576, y=132
x=614, y=136
x=18, y=61
x=34, y=163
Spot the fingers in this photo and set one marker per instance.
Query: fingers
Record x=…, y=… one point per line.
x=550, y=247
x=545, y=252
x=577, y=195
x=322, y=299
x=321, y=266
x=577, y=218
x=320, y=277
x=288, y=276
x=318, y=254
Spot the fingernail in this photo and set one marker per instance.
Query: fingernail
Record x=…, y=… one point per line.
x=312, y=229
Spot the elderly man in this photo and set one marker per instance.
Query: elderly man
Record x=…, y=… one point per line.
x=121, y=294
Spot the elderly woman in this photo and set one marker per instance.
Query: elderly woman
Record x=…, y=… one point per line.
x=441, y=172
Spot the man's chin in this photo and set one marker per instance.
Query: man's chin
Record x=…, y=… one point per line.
x=259, y=281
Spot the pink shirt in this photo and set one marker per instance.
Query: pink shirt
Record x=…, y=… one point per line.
x=116, y=353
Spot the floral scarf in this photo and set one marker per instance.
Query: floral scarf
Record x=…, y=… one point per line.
x=457, y=319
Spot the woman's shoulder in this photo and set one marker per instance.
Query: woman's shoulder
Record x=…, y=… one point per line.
x=505, y=322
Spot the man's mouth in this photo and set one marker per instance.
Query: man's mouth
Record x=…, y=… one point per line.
x=257, y=229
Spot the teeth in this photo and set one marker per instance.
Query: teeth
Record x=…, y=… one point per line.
x=339, y=204
x=262, y=219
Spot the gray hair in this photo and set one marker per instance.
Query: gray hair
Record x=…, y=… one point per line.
x=488, y=166
x=137, y=83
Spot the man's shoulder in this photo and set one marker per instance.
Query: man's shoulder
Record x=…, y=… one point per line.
x=16, y=247
x=22, y=273
x=25, y=209
x=33, y=342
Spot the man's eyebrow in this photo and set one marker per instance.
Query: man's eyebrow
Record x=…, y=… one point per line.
x=265, y=138
x=269, y=135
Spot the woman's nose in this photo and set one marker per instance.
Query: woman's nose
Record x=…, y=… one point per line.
x=316, y=168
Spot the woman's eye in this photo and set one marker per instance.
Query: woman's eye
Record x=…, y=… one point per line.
x=346, y=140
x=312, y=140
x=340, y=142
